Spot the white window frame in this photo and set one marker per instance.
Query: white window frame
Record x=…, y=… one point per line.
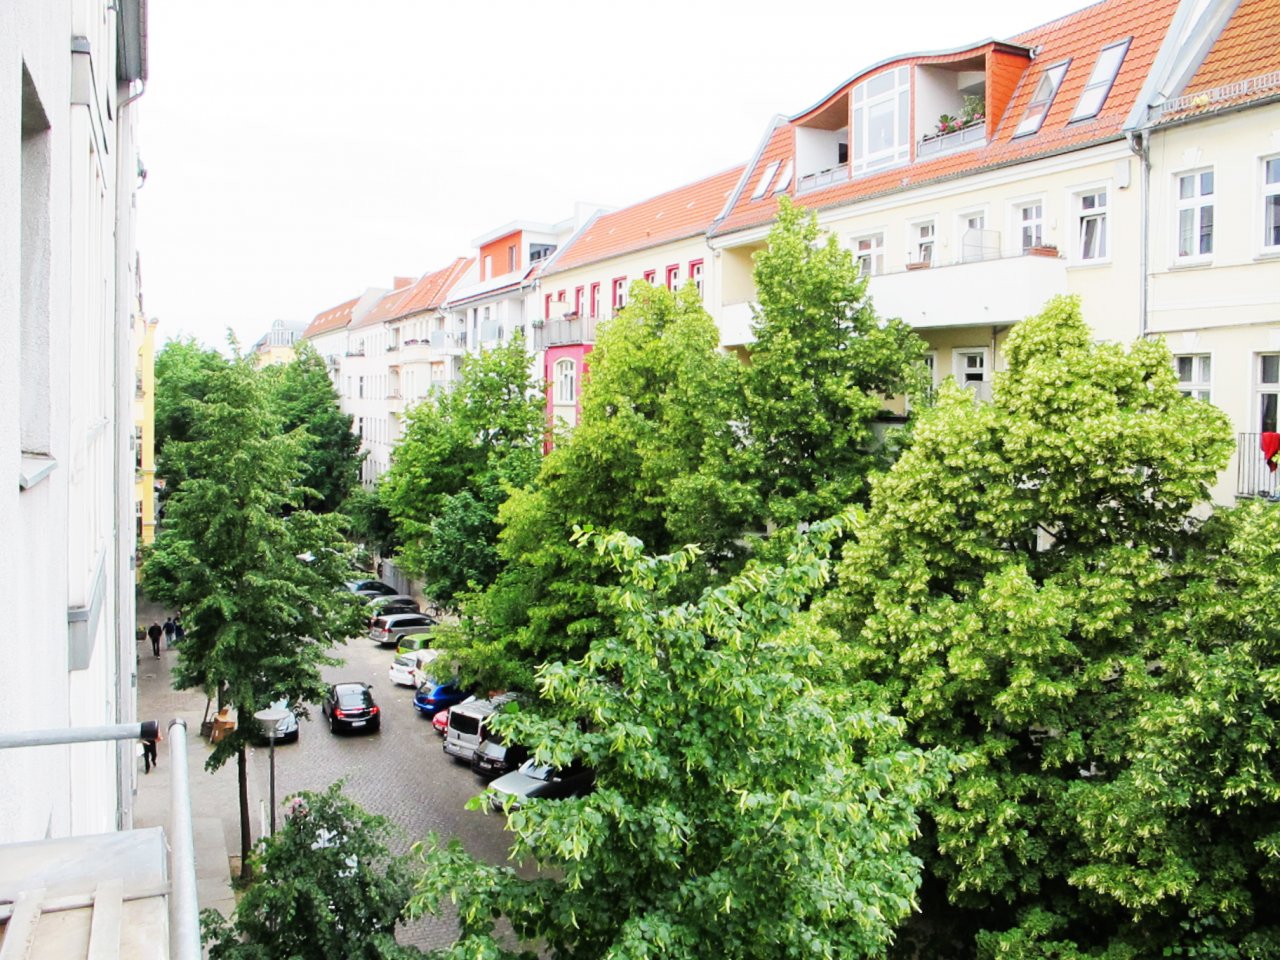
x=868, y=254
x=566, y=374
x=1029, y=230
x=1098, y=213
x=1190, y=210
x=1266, y=392
x=959, y=367
x=619, y=293
x=964, y=223
x=1041, y=102
x=923, y=242
x=1195, y=375
x=695, y=274
x=1094, y=96
x=897, y=96
x=1270, y=194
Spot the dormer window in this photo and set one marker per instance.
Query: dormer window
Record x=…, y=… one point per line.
x=765, y=179
x=1100, y=81
x=1042, y=99
x=882, y=120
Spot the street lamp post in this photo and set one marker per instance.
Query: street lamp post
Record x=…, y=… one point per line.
x=271, y=718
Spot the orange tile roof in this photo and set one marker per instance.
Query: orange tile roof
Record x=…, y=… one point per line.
x=388, y=308
x=684, y=212
x=424, y=294
x=1079, y=37
x=327, y=321
x=1242, y=66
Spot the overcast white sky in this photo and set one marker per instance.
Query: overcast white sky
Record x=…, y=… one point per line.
x=300, y=151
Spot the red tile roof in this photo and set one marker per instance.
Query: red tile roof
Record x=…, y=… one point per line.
x=327, y=321
x=388, y=308
x=684, y=212
x=1078, y=37
x=1243, y=66
x=425, y=294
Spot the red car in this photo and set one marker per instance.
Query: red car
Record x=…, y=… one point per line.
x=441, y=721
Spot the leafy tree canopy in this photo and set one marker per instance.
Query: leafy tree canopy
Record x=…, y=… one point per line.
x=182, y=370
x=1027, y=587
x=822, y=365
x=327, y=889
x=740, y=811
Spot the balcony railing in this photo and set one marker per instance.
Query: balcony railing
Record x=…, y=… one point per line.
x=446, y=339
x=563, y=331
x=1254, y=478
x=823, y=178
x=966, y=138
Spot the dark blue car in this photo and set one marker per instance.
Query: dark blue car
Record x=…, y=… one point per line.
x=434, y=696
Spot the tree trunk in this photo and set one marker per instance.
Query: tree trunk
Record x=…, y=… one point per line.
x=246, y=871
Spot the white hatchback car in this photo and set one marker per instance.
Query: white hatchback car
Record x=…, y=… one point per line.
x=406, y=668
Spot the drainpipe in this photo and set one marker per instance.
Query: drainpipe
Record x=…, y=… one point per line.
x=1139, y=143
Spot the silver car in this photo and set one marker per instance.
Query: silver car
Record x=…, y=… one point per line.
x=387, y=630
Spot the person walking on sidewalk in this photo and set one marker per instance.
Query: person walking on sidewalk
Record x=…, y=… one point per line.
x=149, y=757
x=178, y=633
x=154, y=632
x=168, y=633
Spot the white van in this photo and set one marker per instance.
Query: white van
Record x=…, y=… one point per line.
x=467, y=726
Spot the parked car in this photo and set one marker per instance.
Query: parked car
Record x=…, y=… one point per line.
x=542, y=781
x=467, y=726
x=434, y=696
x=414, y=640
x=371, y=588
x=440, y=722
x=286, y=729
x=350, y=706
x=386, y=605
x=406, y=669
x=494, y=756
x=387, y=629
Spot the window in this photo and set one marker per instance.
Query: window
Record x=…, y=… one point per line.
x=579, y=300
x=137, y=447
x=651, y=276
x=974, y=241
x=566, y=381
x=881, y=120
x=1100, y=81
x=546, y=307
x=673, y=276
x=559, y=299
x=1042, y=99
x=595, y=299
x=1271, y=203
x=969, y=367
x=1268, y=387
x=1030, y=225
x=1195, y=214
x=869, y=251
x=488, y=268
x=922, y=240
x=511, y=258
x=695, y=274
x=1092, y=215
x=360, y=387
x=765, y=179
x=619, y=293
x=1193, y=371
x=784, y=178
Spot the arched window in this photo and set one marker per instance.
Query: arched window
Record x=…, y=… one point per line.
x=566, y=381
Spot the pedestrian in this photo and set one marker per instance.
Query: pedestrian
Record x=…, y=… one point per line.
x=179, y=634
x=168, y=632
x=149, y=757
x=155, y=632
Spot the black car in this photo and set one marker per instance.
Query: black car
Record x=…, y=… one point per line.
x=495, y=756
x=384, y=606
x=350, y=706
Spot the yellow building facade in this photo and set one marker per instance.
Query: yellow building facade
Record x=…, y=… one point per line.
x=144, y=429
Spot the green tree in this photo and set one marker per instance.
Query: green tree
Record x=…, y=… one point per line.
x=740, y=811
x=258, y=579
x=460, y=453
x=822, y=365
x=304, y=398
x=327, y=889
x=183, y=368
x=1030, y=592
x=652, y=453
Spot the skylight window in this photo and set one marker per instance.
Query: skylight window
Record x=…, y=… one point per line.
x=784, y=178
x=1100, y=81
x=1042, y=99
x=763, y=185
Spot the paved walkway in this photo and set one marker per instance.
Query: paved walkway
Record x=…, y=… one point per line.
x=212, y=794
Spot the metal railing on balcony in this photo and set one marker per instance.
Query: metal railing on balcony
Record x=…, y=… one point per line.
x=1254, y=476
x=445, y=339
x=974, y=135
x=823, y=178
x=564, y=330
x=979, y=245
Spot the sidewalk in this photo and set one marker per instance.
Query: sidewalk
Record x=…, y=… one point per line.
x=214, y=796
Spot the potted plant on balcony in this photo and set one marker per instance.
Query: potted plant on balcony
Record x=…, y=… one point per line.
x=1043, y=250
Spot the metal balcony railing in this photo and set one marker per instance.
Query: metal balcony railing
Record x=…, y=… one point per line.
x=1254, y=477
x=823, y=178
x=974, y=135
x=564, y=330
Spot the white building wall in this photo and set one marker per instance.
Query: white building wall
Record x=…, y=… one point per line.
x=63, y=563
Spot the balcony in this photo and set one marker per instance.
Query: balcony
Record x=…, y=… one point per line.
x=392, y=347
x=985, y=292
x=448, y=340
x=1253, y=477
x=735, y=325
x=823, y=178
x=356, y=351
x=564, y=331
x=966, y=138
